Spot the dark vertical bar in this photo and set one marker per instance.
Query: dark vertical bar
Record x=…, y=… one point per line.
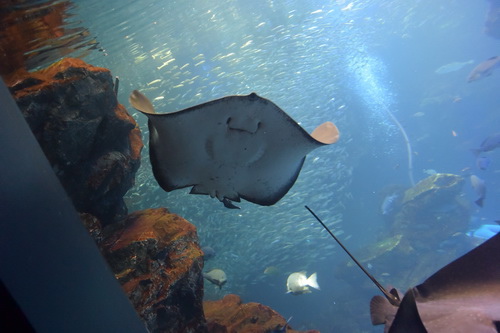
x=48, y=262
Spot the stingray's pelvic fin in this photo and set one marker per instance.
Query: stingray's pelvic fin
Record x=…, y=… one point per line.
x=228, y=204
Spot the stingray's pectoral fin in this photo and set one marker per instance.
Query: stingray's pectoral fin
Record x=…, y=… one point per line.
x=141, y=102
x=326, y=133
x=228, y=204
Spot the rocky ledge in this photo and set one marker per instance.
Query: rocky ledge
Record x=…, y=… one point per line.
x=156, y=257
x=230, y=315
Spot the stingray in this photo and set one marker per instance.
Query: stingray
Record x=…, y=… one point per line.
x=463, y=296
x=230, y=148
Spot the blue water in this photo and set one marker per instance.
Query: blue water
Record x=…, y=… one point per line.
x=352, y=62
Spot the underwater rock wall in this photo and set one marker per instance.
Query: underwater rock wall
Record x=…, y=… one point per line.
x=90, y=140
x=432, y=211
x=156, y=257
x=426, y=232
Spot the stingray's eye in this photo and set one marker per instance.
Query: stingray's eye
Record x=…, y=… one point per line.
x=259, y=124
x=228, y=120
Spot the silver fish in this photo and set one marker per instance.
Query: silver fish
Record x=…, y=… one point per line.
x=480, y=189
x=452, y=67
x=484, y=69
x=488, y=144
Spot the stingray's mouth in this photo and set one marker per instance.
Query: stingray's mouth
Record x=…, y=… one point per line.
x=248, y=126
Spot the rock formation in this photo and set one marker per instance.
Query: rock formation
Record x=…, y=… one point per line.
x=432, y=211
x=91, y=141
x=230, y=315
x=427, y=231
x=156, y=257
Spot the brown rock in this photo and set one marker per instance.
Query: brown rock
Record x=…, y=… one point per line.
x=156, y=257
x=90, y=140
x=230, y=315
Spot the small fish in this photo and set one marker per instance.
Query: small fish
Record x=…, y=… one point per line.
x=452, y=67
x=154, y=81
x=484, y=69
x=297, y=283
x=483, y=162
x=271, y=270
x=216, y=276
x=388, y=204
x=488, y=144
x=429, y=172
x=208, y=252
x=480, y=189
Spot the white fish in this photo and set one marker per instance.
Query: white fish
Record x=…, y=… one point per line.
x=216, y=276
x=452, y=67
x=429, y=172
x=480, y=188
x=298, y=283
x=388, y=204
x=484, y=69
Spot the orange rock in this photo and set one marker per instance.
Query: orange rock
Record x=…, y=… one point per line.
x=90, y=140
x=24, y=83
x=230, y=315
x=156, y=257
x=135, y=134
